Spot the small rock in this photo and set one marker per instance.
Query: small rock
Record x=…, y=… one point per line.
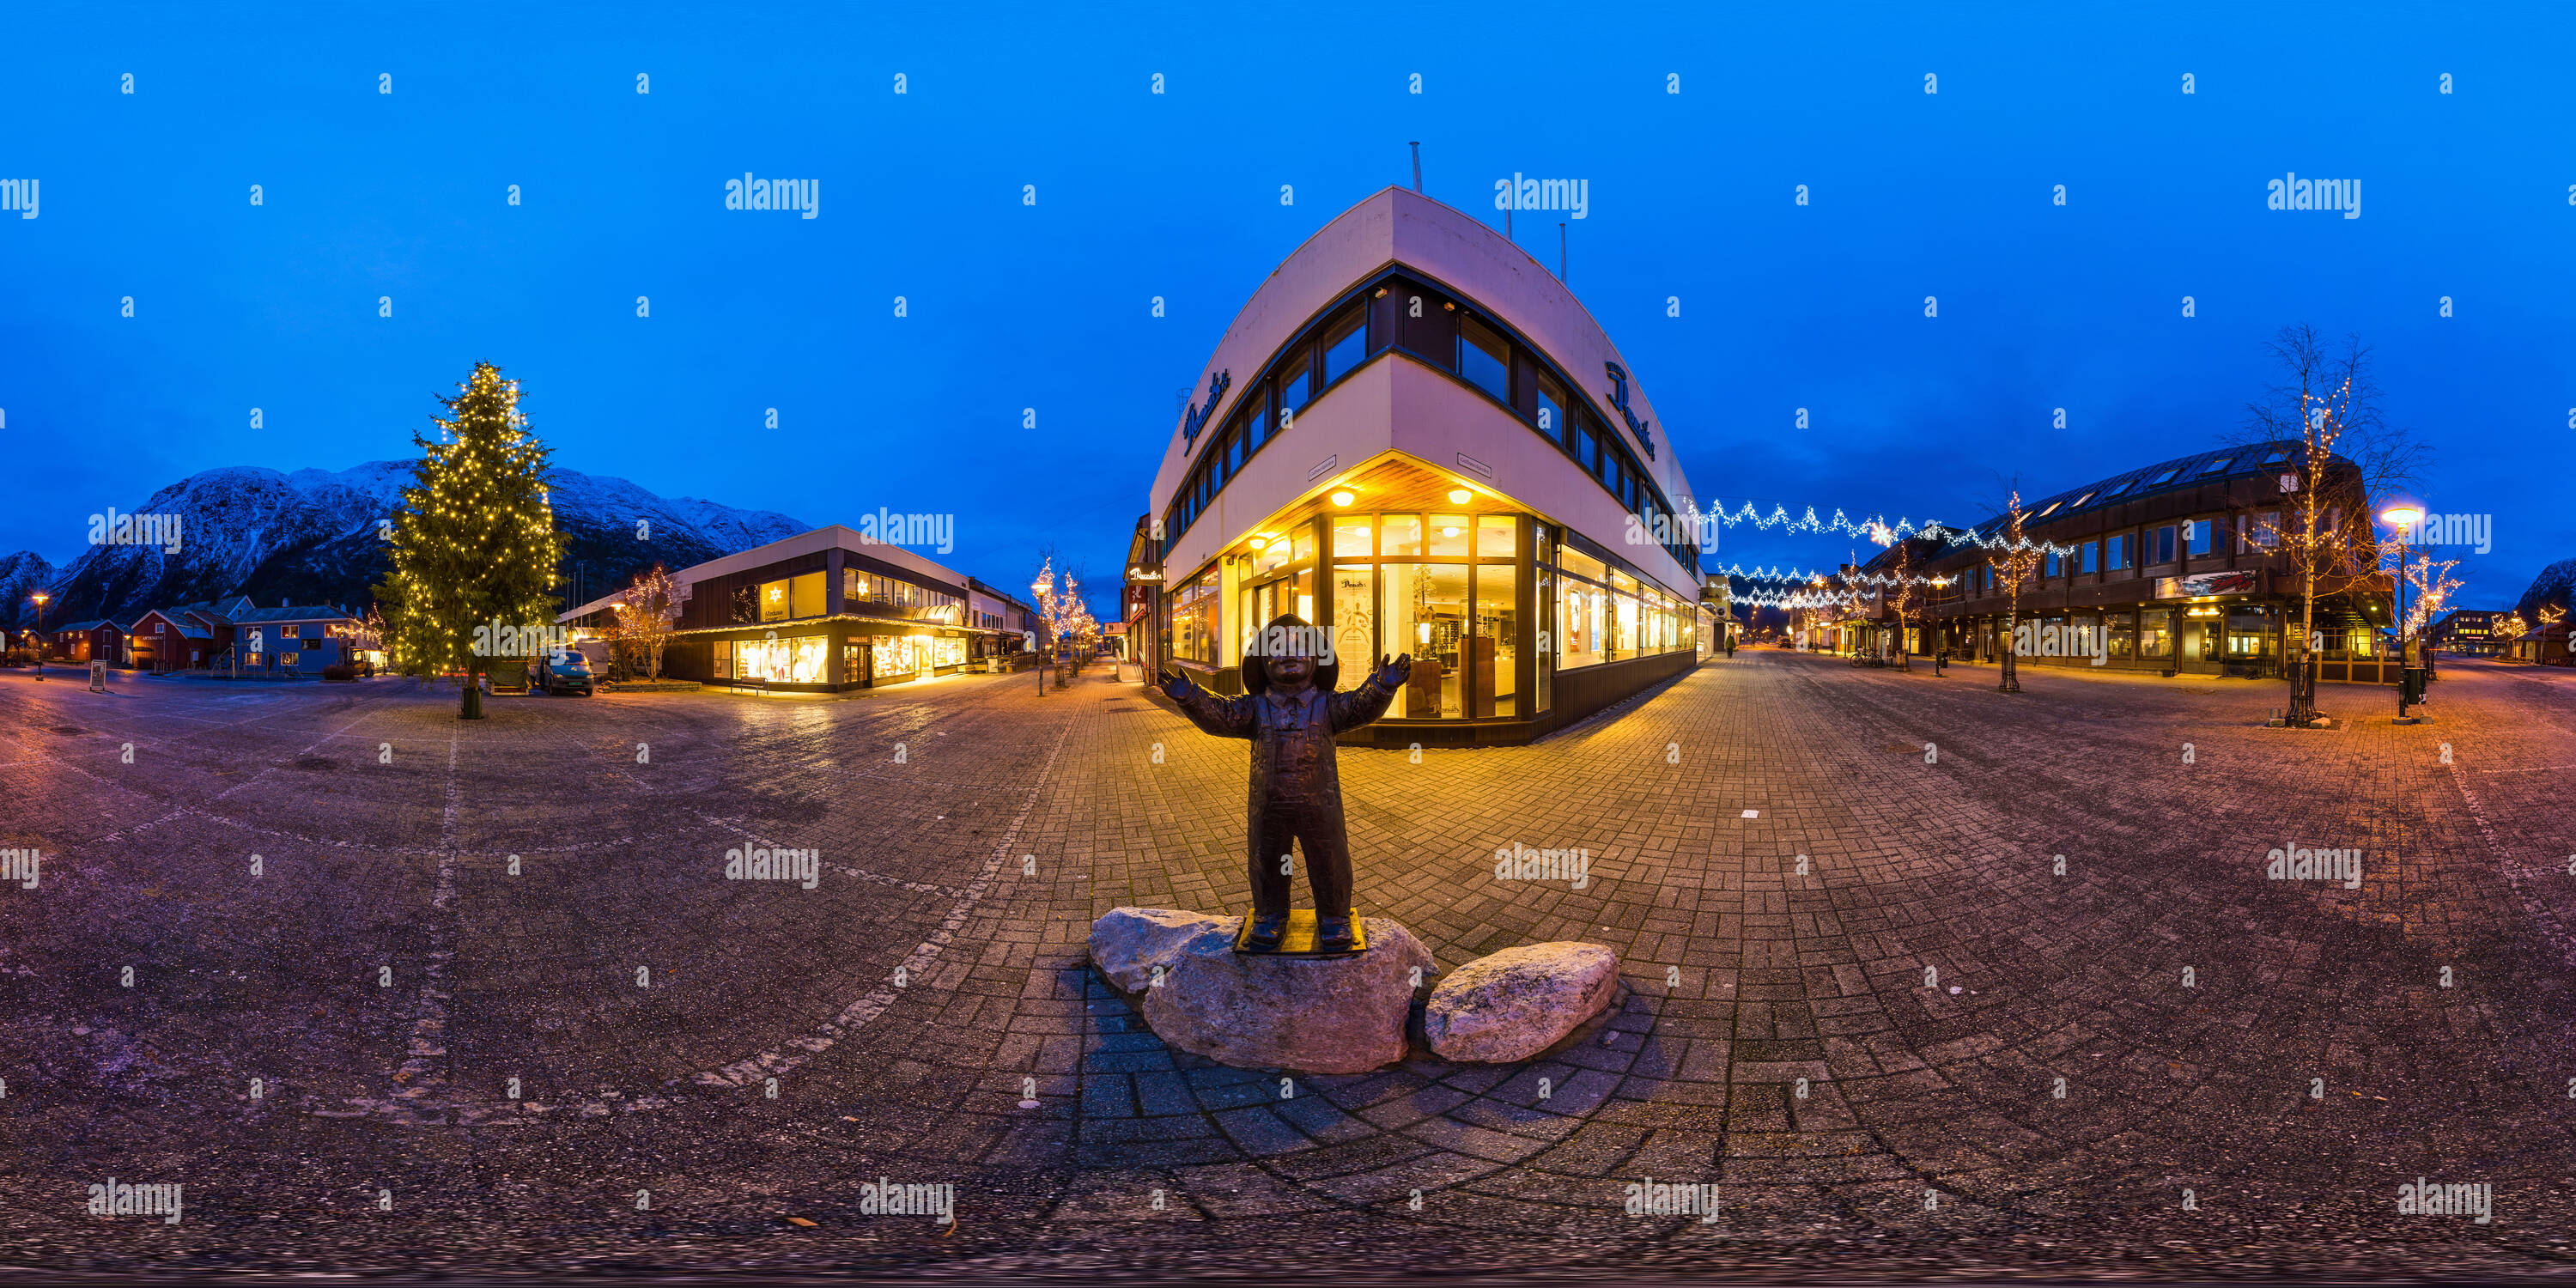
x=1129, y=942
x=1521, y=1001
x=1304, y=1014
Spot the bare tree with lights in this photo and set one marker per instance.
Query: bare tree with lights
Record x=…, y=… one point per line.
x=2345, y=464
x=644, y=616
x=1902, y=601
x=2014, y=561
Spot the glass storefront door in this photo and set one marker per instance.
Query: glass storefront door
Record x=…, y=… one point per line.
x=1424, y=611
x=1354, y=622
x=1493, y=662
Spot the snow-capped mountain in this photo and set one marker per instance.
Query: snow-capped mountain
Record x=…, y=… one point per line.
x=311, y=537
x=21, y=573
x=2553, y=586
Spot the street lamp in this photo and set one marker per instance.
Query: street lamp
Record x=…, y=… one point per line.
x=1038, y=590
x=41, y=599
x=2403, y=518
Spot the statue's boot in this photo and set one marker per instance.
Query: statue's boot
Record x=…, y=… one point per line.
x=1332, y=933
x=1267, y=930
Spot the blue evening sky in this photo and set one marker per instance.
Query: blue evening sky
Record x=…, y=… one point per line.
x=2465, y=195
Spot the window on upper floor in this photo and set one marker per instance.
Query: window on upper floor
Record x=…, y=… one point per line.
x=1551, y=406
x=1245, y=434
x=1485, y=358
x=1345, y=343
x=2262, y=531
x=1294, y=388
x=1425, y=325
x=2116, y=554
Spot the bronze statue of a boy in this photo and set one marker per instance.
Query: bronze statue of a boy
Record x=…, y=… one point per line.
x=1291, y=714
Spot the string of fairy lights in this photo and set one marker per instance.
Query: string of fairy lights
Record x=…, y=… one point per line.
x=1841, y=588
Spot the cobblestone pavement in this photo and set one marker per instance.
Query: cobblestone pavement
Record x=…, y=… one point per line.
x=390, y=919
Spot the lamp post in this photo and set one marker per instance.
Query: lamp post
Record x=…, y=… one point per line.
x=1038, y=590
x=1941, y=644
x=2403, y=518
x=41, y=599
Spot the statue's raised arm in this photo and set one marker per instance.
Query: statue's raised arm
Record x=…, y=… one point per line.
x=1222, y=717
x=1355, y=708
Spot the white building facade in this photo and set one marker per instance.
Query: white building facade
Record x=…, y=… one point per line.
x=1415, y=438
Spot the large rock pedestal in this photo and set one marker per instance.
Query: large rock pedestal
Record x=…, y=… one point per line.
x=1130, y=942
x=1509, y=1007
x=1253, y=1011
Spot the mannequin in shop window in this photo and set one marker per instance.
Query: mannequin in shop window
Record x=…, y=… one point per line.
x=1290, y=715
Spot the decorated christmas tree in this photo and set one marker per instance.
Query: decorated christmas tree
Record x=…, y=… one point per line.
x=475, y=542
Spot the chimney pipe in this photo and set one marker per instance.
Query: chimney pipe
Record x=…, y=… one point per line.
x=1416, y=145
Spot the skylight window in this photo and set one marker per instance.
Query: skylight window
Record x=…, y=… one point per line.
x=2166, y=477
x=2215, y=466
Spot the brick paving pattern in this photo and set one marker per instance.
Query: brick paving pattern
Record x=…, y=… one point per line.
x=387, y=975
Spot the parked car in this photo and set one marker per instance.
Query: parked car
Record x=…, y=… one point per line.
x=572, y=674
